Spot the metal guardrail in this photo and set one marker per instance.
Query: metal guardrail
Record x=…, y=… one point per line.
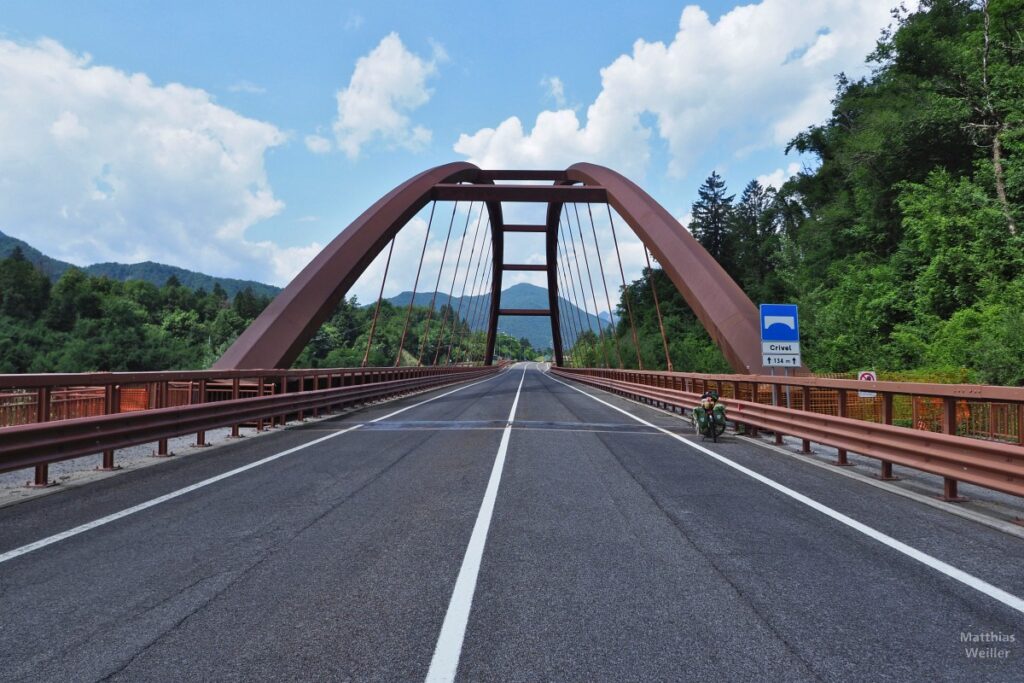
x=990, y=464
x=291, y=393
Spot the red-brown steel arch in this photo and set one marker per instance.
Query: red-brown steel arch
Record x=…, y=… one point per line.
x=724, y=309
x=276, y=338
x=278, y=335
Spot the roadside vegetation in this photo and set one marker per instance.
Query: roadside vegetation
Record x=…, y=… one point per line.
x=84, y=323
x=903, y=244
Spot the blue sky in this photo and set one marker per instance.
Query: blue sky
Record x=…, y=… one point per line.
x=238, y=138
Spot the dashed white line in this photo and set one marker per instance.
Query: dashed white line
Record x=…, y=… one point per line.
x=980, y=585
x=445, y=662
x=56, y=538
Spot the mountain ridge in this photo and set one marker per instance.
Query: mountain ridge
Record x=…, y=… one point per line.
x=150, y=271
x=523, y=295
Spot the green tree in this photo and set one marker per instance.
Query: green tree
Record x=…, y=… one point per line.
x=957, y=243
x=712, y=215
x=755, y=239
x=24, y=289
x=249, y=305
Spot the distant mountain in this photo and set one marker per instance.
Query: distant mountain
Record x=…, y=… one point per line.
x=51, y=267
x=157, y=273
x=523, y=295
x=536, y=329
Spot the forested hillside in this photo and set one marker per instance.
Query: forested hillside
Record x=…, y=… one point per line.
x=903, y=244
x=537, y=330
x=84, y=323
x=154, y=273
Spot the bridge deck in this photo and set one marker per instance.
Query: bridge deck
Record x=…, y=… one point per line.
x=614, y=552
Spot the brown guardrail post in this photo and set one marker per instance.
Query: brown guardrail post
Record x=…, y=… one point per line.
x=110, y=406
x=736, y=397
x=316, y=386
x=887, y=411
x=805, y=404
x=284, y=390
x=949, y=415
x=259, y=393
x=775, y=401
x=161, y=394
x=235, y=392
x=346, y=380
x=201, y=398
x=950, y=493
x=1020, y=423
x=841, y=460
x=302, y=389
x=753, y=399
x=41, y=479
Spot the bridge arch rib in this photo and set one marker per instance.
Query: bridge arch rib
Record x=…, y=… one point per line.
x=278, y=335
x=722, y=307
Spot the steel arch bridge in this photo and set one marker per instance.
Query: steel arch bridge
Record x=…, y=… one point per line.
x=278, y=335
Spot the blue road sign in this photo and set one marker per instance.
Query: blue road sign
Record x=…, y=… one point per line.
x=779, y=322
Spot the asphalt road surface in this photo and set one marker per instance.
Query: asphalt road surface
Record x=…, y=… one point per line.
x=515, y=529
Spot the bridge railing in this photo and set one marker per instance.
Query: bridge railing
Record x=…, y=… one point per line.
x=830, y=412
x=52, y=417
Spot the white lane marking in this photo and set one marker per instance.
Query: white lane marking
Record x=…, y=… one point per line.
x=980, y=585
x=445, y=663
x=56, y=538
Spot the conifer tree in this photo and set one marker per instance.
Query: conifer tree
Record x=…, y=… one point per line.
x=712, y=216
x=754, y=239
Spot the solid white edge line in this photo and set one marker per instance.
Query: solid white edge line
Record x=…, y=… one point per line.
x=930, y=501
x=445, y=662
x=56, y=538
x=980, y=585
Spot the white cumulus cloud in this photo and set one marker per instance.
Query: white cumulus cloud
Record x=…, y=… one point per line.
x=777, y=177
x=386, y=85
x=100, y=165
x=753, y=78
